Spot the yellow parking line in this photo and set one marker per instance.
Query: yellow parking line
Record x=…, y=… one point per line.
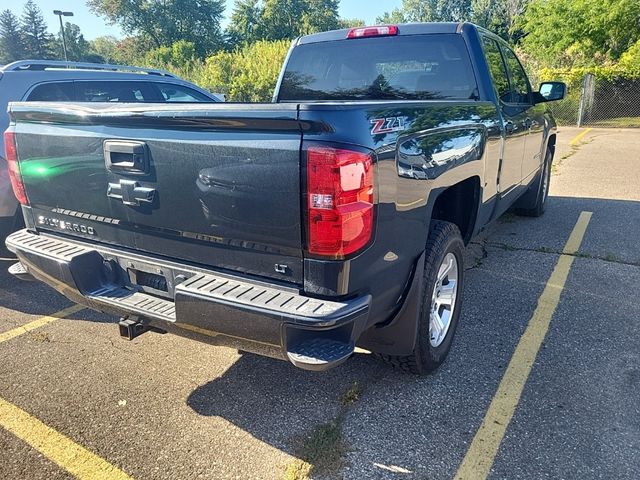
x=15, y=332
x=579, y=137
x=484, y=447
x=58, y=448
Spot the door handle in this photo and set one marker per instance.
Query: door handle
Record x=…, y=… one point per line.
x=131, y=193
x=126, y=156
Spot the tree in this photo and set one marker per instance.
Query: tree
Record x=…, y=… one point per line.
x=281, y=18
x=106, y=47
x=287, y=19
x=499, y=16
x=351, y=23
x=37, y=40
x=568, y=33
x=320, y=16
x=78, y=49
x=165, y=22
x=11, y=48
x=244, y=23
x=429, y=11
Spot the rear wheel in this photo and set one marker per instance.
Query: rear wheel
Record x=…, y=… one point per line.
x=441, y=297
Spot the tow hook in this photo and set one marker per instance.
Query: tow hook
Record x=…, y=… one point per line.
x=132, y=327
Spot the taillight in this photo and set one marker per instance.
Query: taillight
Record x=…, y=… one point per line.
x=11, y=155
x=377, y=31
x=339, y=201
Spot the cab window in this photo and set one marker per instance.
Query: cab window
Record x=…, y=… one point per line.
x=109, y=91
x=520, y=91
x=497, y=69
x=52, y=92
x=178, y=94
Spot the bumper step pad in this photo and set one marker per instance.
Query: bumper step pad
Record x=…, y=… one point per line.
x=318, y=353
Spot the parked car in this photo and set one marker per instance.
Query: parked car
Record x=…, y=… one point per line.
x=52, y=81
x=333, y=218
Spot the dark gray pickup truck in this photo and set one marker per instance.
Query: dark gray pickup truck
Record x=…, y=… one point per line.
x=334, y=217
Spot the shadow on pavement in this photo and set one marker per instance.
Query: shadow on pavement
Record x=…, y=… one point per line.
x=275, y=401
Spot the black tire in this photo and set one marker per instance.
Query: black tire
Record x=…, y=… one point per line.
x=542, y=187
x=444, y=238
x=9, y=225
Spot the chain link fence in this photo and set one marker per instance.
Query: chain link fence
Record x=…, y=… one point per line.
x=599, y=102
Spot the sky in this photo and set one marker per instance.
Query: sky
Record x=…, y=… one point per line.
x=92, y=26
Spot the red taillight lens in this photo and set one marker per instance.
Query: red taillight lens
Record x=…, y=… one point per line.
x=11, y=155
x=339, y=201
x=377, y=31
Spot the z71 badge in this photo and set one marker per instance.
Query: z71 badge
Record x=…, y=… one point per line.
x=387, y=125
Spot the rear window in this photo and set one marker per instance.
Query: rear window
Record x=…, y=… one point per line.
x=178, y=94
x=417, y=67
x=116, y=92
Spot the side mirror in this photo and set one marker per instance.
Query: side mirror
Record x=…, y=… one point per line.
x=551, y=91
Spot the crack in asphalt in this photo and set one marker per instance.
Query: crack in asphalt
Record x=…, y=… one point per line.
x=552, y=251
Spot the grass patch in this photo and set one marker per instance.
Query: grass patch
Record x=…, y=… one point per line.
x=610, y=257
x=42, y=337
x=298, y=470
x=320, y=453
x=507, y=218
x=351, y=396
x=618, y=122
x=545, y=250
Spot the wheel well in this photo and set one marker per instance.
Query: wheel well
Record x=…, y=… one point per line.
x=458, y=204
x=551, y=144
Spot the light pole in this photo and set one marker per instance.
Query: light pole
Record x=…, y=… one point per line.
x=61, y=14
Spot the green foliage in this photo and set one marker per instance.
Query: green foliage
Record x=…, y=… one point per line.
x=567, y=33
x=165, y=22
x=320, y=16
x=252, y=20
x=499, y=16
x=78, y=49
x=429, y=11
x=37, y=42
x=630, y=60
x=287, y=19
x=11, y=47
x=245, y=75
x=107, y=48
x=351, y=23
x=244, y=24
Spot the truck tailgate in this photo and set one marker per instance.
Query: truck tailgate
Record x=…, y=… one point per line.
x=216, y=185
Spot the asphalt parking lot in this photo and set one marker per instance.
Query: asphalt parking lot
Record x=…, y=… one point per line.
x=163, y=407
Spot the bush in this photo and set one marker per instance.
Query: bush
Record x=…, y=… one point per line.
x=245, y=75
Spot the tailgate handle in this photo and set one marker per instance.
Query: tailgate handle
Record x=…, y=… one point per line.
x=126, y=156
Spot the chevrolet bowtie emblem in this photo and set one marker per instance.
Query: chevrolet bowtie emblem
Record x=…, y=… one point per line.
x=131, y=193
